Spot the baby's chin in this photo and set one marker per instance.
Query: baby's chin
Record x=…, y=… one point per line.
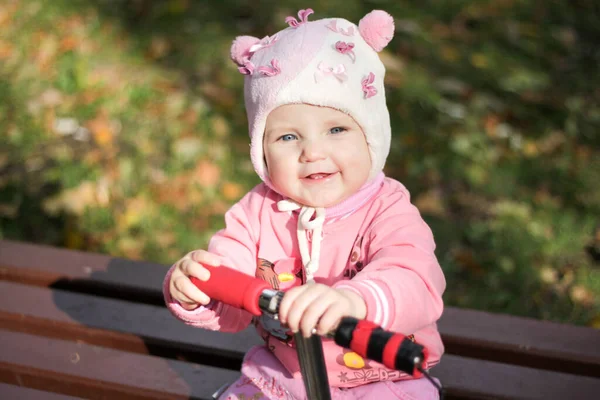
x=318, y=203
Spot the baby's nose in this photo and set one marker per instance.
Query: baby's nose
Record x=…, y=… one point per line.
x=313, y=150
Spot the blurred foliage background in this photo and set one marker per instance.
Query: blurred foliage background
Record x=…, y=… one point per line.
x=123, y=131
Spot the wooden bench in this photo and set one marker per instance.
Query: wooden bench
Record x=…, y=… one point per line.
x=82, y=325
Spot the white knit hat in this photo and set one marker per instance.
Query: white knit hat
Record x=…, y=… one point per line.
x=328, y=62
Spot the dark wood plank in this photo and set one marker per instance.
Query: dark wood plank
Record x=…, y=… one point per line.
x=495, y=337
x=93, y=372
x=61, y=314
x=467, y=378
x=20, y=392
x=522, y=341
x=80, y=271
x=118, y=324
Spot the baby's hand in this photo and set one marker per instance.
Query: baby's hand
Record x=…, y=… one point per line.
x=181, y=287
x=319, y=306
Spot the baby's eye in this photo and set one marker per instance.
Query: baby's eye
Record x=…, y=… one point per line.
x=288, y=137
x=337, y=129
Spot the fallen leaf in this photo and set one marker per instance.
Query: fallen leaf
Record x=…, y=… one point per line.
x=580, y=294
x=165, y=238
x=479, y=60
x=68, y=43
x=130, y=248
x=73, y=201
x=159, y=47
x=549, y=275
x=449, y=53
x=431, y=203
x=219, y=95
x=6, y=50
x=102, y=130
x=46, y=51
x=207, y=174
x=220, y=126
x=490, y=124
x=232, y=191
x=51, y=98
x=392, y=62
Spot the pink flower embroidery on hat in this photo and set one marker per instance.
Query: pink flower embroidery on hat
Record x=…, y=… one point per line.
x=264, y=43
x=247, y=68
x=302, y=15
x=333, y=26
x=324, y=71
x=272, y=70
x=346, y=48
x=367, y=86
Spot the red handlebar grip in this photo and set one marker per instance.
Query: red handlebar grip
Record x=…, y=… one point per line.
x=233, y=287
x=393, y=350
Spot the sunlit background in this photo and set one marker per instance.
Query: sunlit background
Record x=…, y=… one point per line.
x=122, y=131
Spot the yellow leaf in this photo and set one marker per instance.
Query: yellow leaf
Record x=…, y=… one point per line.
x=73, y=201
x=220, y=126
x=580, y=294
x=135, y=210
x=530, y=149
x=6, y=50
x=102, y=129
x=450, y=53
x=392, y=62
x=131, y=248
x=159, y=47
x=549, y=275
x=231, y=190
x=165, y=238
x=46, y=51
x=596, y=322
x=431, y=203
x=219, y=96
x=68, y=43
x=207, y=174
x=73, y=238
x=491, y=122
x=479, y=60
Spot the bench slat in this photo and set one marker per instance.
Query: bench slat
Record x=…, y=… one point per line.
x=119, y=324
x=495, y=337
x=89, y=272
x=468, y=378
x=45, y=311
x=523, y=341
x=79, y=369
x=20, y=392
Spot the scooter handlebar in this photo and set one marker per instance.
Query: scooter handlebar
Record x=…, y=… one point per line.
x=394, y=350
x=233, y=287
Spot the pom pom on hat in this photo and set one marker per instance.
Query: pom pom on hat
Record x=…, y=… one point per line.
x=377, y=28
x=240, y=48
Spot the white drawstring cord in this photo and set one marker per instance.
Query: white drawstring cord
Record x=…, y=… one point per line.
x=305, y=224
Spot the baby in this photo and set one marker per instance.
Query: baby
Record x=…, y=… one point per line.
x=325, y=226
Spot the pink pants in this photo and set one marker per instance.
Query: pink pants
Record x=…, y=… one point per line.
x=264, y=377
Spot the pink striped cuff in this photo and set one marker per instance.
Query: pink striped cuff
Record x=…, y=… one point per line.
x=379, y=308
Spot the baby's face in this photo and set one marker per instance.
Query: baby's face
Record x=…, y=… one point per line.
x=317, y=156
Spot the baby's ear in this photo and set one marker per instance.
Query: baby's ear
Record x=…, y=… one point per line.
x=240, y=49
x=377, y=28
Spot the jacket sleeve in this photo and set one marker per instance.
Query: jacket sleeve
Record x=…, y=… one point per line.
x=402, y=282
x=237, y=245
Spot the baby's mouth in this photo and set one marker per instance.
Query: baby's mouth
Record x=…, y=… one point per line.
x=317, y=176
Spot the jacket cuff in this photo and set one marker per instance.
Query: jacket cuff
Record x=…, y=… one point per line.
x=202, y=316
x=375, y=295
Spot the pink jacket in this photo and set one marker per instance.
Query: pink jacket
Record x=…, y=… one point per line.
x=383, y=250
